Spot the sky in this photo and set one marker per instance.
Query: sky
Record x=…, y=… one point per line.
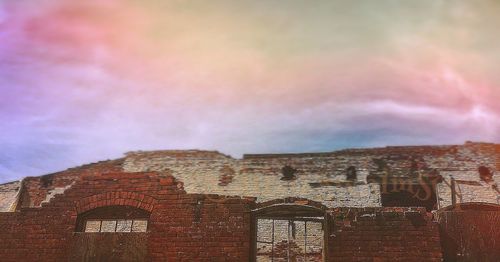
x=82, y=81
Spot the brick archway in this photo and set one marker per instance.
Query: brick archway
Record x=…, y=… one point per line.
x=290, y=228
x=121, y=198
x=291, y=201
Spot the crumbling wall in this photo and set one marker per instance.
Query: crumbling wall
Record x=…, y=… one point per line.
x=182, y=226
x=194, y=217
x=462, y=164
x=195, y=227
x=36, y=190
x=8, y=195
x=319, y=177
x=323, y=177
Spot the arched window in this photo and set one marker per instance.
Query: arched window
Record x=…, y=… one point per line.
x=113, y=219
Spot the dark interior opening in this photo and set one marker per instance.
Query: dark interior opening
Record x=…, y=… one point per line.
x=351, y=173
x=413, y=195
x=485, y=174
x=288, y=173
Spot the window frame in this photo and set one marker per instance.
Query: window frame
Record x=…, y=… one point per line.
x=112, y=213
x=289, y=221
x=291, y=212
x=116, y=225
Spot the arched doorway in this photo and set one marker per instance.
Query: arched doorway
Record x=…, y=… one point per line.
x=290, y=231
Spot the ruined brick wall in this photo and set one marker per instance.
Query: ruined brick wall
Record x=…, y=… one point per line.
x=322, y=177
x=463, y=166
x=319, y=177
x=8, y=195
x=36, y=190
x=384, y=234
x=194, y=227
x=194, y=217
x=182, y=226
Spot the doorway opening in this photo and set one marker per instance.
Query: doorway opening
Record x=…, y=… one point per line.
x=290, y=233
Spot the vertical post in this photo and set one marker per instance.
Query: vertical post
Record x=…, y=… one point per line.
x=272, y=245
x=453, y=192
x=288, y=244
x=436, y=189
x=253, y=236
x=305, y=241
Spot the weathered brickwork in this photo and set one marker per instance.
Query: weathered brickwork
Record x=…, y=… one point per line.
x=8, y=195
x=202, y=205
x=319, y=176
x=261, y=176
x=35, y=190
x=384, y=234
x=322, y=176
x=183, y=227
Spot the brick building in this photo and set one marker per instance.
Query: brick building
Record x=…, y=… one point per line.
x=189, y=205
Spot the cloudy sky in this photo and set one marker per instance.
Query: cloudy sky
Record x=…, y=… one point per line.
x=82, y=81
